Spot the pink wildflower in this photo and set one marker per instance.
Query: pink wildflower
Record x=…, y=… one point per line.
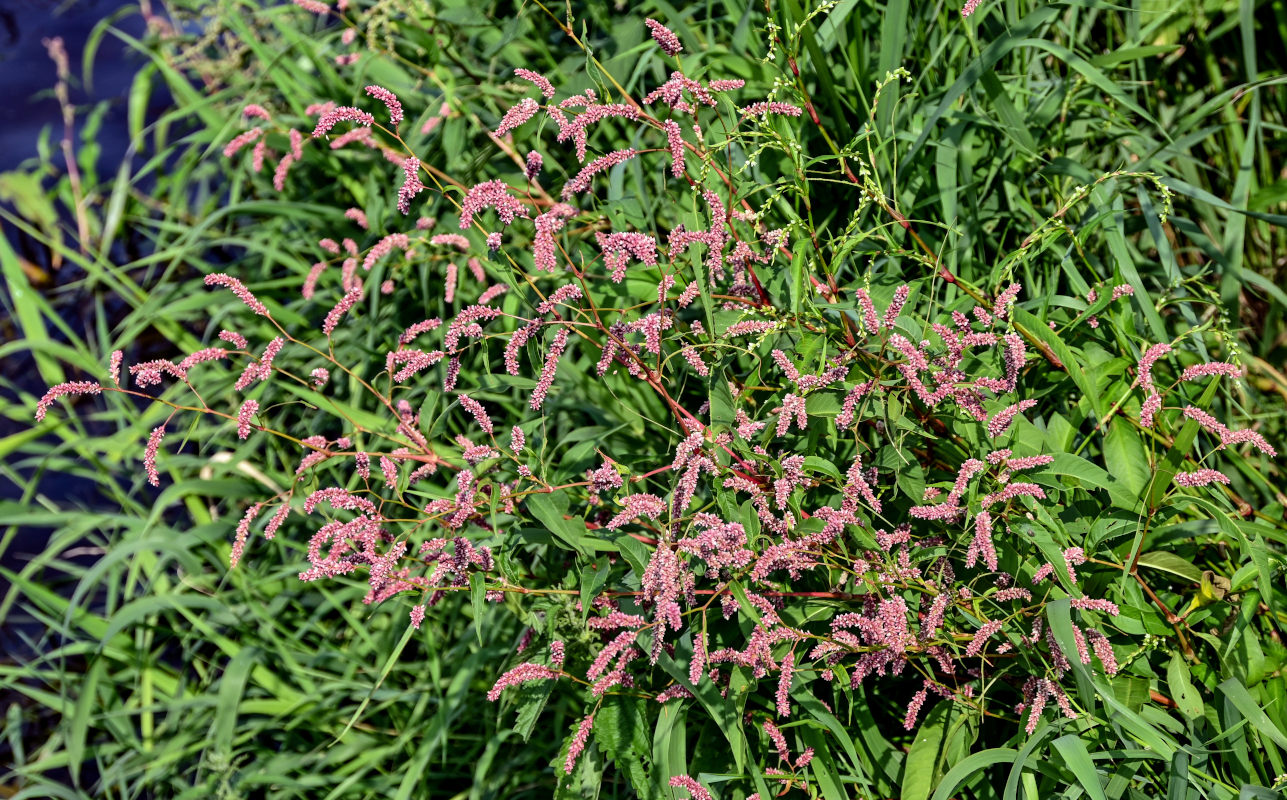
x=579, y=739
x=532, y=166
x=244, y=416
x=1205, y=370
x=548, y=369
x=544, y=248
x=239, y=289
x=1150, y=357
x=390, y=101
x=764, y=109
x=149, y=454
x=675, y=142
x=581, y=182
x=479, y=413
x=279, y=175
x=1151, y=405
x=520, y=674
x=666, y=40
x=524, y=110
x=914, y=709
x=114, y=366
x=1093, y=604
x=62, y=389
x=341, y=114
x=986, y=632
x=358, y=216
x=782, y=699
x=637, y=505
x=540, y=81
x=385, y=246
x=411, y=185
x=1000, y=421
x=1201, y=477
x=241, y=141
x=694, y=788
x=341, y=308
x=491, y=194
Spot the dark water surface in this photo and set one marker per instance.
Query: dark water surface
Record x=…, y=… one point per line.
x=27, y=75
x=28, y=111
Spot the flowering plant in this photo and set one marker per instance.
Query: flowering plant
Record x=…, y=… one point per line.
x=728, y=464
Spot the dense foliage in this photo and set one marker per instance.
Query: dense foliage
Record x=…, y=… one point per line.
x=850, y=401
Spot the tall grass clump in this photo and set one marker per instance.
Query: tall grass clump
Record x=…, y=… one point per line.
x=841, y=401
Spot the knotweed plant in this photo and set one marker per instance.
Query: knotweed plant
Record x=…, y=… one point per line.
x=805, y=489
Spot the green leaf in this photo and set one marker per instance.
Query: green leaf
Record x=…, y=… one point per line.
x=1127, y=460
x=970, y=765
x=636, y=552
x=592, y=580
x=921, y=767
x=1090, y=475
x=1170, y=562
x=1186, y=696
x=1252, y=712
x=1074, y=753
x=1067, y=356
x=478, y=599
x=532, y=698
x=551, y=510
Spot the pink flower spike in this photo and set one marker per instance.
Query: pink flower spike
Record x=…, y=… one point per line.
x=914, y=709
x=523, y=673
x=341, y=114
x=241, y=141
x=694, y=788
x=579, y=740
x=390, y=101
x=675, y=143
x=546, y=380
x=540, y=81
x=71, y=387
x=149, y=454
x=341, y=308
x=1147, y=360
x=1093, y=604
x=518, y=114
x=239, y=289
x=247, y=413
x=313, y=6
x=1206, y=370
x=782, y=699
x=986, y=632
x=581, y=182
x=764, y=109
x=479, y=413
x=358, y=216
x=114, y=366
x=666, y=40
x=532, y=167
x=1201, y=477
x=491, y=194
x=411, y=185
